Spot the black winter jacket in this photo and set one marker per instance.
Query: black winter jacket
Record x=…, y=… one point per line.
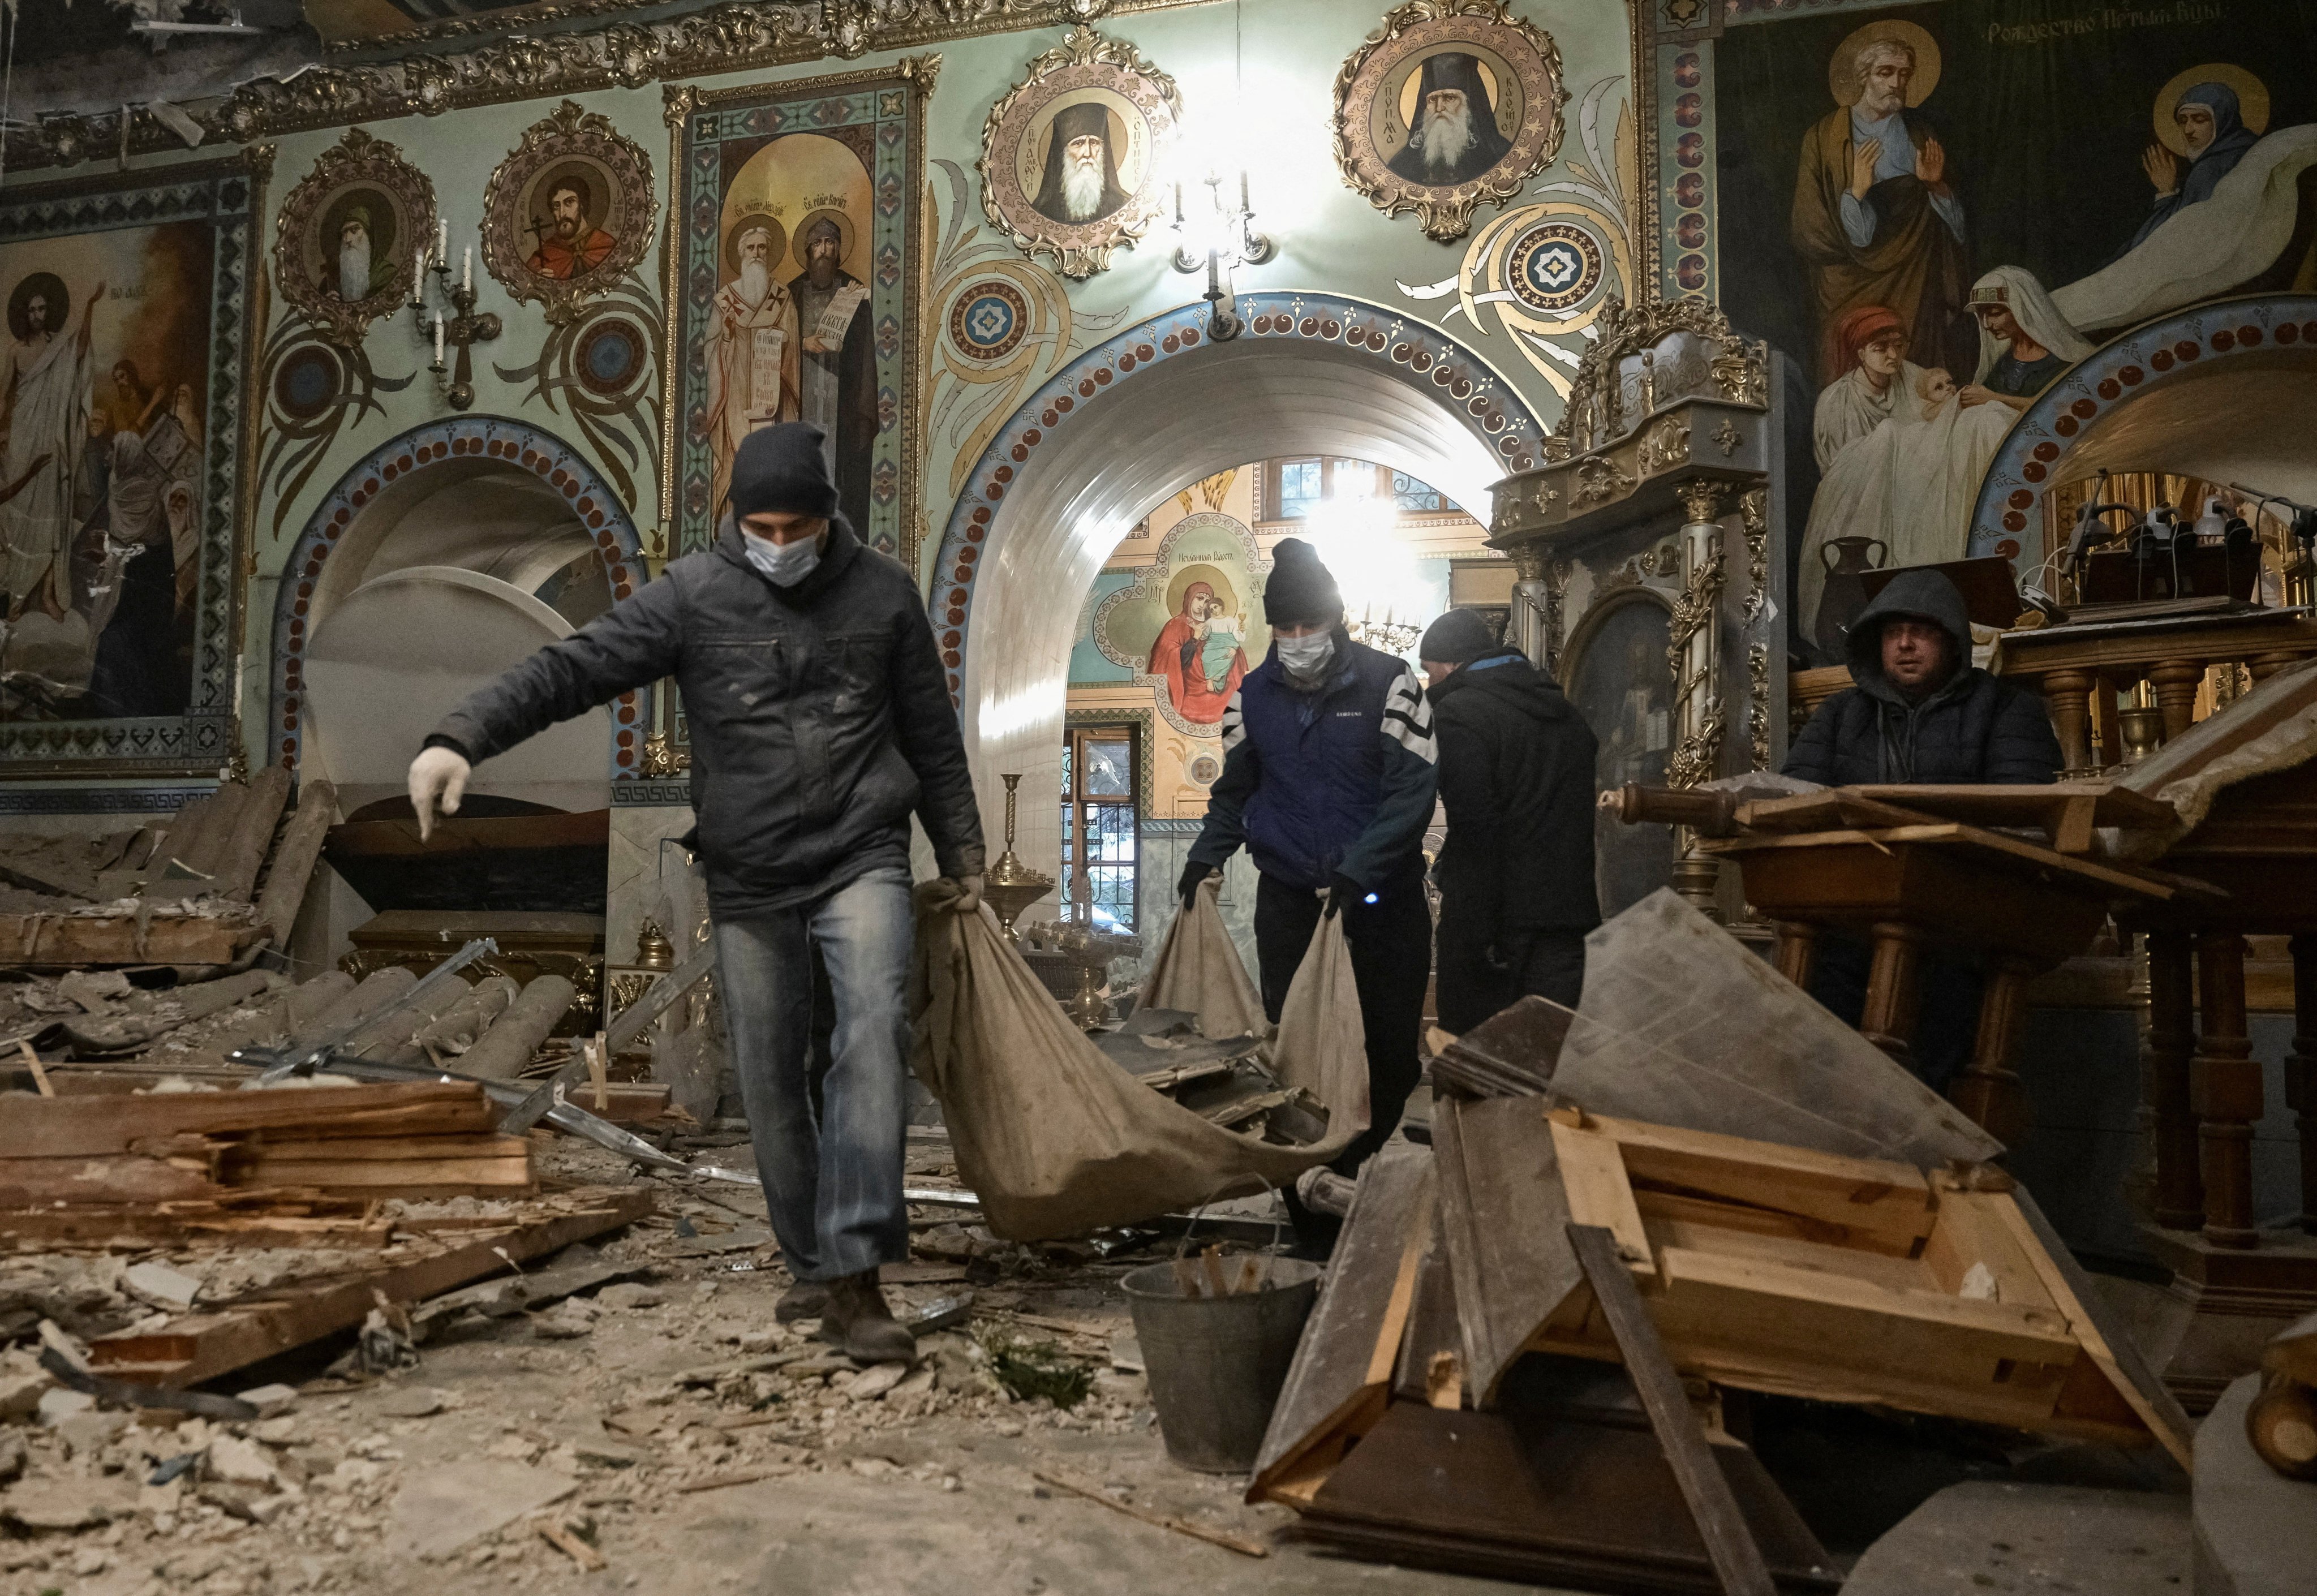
x=1975, y=728
x=819, y=718
x=1516, y=776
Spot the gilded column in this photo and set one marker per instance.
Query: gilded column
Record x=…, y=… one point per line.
x=1693, y=659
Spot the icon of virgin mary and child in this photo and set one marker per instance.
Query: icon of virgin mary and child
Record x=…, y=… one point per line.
x=1198, y=654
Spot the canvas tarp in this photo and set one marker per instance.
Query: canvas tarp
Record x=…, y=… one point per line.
x=1199, y=971
x=1055, y=1138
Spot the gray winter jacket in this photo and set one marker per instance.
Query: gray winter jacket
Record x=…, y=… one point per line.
x=1973, y=729
x=819, y=715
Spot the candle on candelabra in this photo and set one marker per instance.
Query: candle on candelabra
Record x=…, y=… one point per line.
x=438, y=337
x=466, y=270
x=442, y=243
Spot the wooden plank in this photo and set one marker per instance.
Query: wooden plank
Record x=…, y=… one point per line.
x=1432, y=1346
x=201, y=848
x=1973, y=1229
x=1813, y=1318
x=95, y=1126
x=1729, y=1543
x=1503, y=1213
x=2088, y=872
x=392, y=1175
x=1335, y=1385
x=193, y=1348
x=113, y=1178
x=1593, y=1176
x=387, y=1149
x=1883, y=1204
x=1702, y=1234
x=2053, y=806
x=2104, y=1338
x=292, y=869
x=74, y=941
x=245, y=848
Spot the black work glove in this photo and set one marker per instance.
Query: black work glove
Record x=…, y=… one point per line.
x=1341, y=890
x=1188, y=889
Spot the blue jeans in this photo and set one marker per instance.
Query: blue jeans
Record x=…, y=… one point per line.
x=832, y=1181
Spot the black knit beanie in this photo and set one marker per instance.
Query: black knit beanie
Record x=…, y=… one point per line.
x=1300, y=591
x=1457, y=638
x=781, y=471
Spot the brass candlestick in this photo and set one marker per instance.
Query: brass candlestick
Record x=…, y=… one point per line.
x=1009, y=886
x=1091, y=951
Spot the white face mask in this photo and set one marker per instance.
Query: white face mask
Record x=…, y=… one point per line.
x=785, y=563
x=1306, y=658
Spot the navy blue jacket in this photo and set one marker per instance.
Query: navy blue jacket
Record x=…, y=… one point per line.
x=1338, y=780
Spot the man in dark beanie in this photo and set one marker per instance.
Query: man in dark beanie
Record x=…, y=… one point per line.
x=1515, y=877
x=820, y=722
x=1328, y=783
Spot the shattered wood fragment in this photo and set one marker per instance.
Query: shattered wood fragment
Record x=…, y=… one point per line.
x=1222, y=1537
x=301, y=849
x=1502, y=1209
x=376, y=991
x=243, y=850
x=1339, y=1384
x=190, y=1349
x=503, y=1051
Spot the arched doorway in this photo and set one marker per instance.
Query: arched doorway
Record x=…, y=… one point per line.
x=447, y=555
x=1152, y=411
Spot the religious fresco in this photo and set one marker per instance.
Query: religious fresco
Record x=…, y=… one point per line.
x=352, y=238
x=1074, y=157
x=1189, y=625
x=792, y=289
x=1447, y=105
x=570, y=212
x=1963, y=221
x=122, y=460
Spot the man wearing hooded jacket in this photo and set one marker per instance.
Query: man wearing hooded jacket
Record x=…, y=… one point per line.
x=1921, y=713
x=1515, y=877
x=1328, y=783
x=820, y=722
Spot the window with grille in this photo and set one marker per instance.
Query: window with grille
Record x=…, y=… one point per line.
x=1293, y=489
x=1099, y=821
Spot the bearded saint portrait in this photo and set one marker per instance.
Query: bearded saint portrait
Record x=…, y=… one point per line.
x=1081, y=181
x=1453, y=137
x=1179, y=655
x=569, y=245
x=753, y=350
x=361, y=269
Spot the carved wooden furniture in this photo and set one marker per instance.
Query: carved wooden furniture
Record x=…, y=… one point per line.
x=2076, y=663
x=1670, y=430
x=2258, y=840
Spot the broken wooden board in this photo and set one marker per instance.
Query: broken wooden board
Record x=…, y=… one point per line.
x=94, y=1126
x=1546, y=1499
x=2067, y=812
x=1337, y=1386
x=1511, y=1054
x=194, y=1347
x=1844, y=1279
x=1502, y=1212
x=78, y=942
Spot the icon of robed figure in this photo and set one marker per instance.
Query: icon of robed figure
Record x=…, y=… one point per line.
x=1081, y=178
x=44, y=415
x=838, y=376
x=753, y=352
x=569, y=243
x=1876, y=217
x=1453, y=137
x=1199, y=684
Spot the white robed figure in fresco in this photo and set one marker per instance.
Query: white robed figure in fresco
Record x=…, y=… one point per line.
x=44, y=414
x=753, y=350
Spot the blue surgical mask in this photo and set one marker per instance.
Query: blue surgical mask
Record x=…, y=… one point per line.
x=784, y=564
x=1306, y=658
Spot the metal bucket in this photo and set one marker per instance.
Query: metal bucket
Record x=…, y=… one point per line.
x=1216, y=1363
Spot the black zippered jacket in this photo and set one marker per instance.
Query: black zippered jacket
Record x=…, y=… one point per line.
x=1972, y=729
x=1516, y=776
x=818, y=714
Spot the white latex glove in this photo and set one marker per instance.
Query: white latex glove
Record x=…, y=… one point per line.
x=438, y=777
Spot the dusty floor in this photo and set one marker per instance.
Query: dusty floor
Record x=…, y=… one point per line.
x=615, y=1418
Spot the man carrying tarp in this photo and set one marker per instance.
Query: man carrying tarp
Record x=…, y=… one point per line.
x=1328, y=783
x=1921, y=713
x=820, y=722
x=1516, y=878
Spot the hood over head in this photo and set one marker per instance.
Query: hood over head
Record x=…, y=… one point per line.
x=1925, y=595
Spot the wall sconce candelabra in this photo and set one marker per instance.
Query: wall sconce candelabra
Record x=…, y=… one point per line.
x=464, y=329
x=1218, y=234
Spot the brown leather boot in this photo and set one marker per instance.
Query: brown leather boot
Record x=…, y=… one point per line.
x=806, y=1299
x=857, y=1322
